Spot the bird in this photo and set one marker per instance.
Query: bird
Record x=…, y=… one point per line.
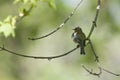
x=79, y=37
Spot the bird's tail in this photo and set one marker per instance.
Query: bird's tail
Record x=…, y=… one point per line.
x=82, y=51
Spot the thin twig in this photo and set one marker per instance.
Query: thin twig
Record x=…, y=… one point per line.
x=95, y=19
x=110, y=72
x=38, y=57
x=95, y=55
x=60, y=26
x=92, y=28
x=24, y=15
x=91, y=71
x=101, y=69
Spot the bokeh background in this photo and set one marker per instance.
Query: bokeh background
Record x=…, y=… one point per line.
x=42, y=20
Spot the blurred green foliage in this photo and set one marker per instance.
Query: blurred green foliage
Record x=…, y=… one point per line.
x=45, y=16
x=8, y=26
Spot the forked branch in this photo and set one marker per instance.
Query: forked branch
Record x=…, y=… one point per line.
x=100, y=71
x=91, y=71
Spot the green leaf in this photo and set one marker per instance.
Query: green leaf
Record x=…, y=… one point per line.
x=16, y=1
x=13, y=21
x=7, y=27
x=51, y=3
x=34, y=2
x=23, y=1
x=7, y=19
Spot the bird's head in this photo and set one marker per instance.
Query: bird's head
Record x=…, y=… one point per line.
x=77, y=29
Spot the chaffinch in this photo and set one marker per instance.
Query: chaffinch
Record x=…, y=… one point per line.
x=79, y=37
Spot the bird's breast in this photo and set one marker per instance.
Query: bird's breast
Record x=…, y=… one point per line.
x=74, y=37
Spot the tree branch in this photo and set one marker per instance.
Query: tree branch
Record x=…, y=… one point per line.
x=24, y=14
x=110, y=72
x=91, y=71
x=60, y=26
x=95, y=19
x=100, y=71
x=94, y=53
x=38, y=57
